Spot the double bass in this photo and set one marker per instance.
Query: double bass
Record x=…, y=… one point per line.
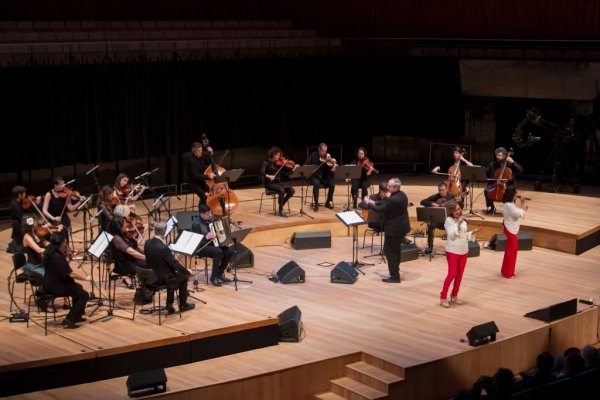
x=502, y=176
x=453, y=182
x=221, y=200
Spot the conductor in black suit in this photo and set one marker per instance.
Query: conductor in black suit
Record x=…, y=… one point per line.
x=168, y=270
x=395, y=212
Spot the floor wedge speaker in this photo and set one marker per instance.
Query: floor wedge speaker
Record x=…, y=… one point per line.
x=185, y=219
x=555, y=311
x=474, y=249
x=344, y=273
x=409, y=252
x=498, y=242
x=483, y=333
x=244, y=257
x=290, y=325
x=311, y=240
x=291, y=272
x=146, y=382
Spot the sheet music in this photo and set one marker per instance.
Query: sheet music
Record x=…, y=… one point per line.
x=100, y=244
x=187, y=243
x=350, y=218
x=171, y=222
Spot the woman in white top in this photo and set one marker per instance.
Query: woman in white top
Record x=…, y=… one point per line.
x=513, y=215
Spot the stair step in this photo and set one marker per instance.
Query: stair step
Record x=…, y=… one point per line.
x=371, y=375
x=329, y=396
x=355, y=390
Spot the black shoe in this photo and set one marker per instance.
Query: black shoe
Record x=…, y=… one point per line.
x=491, y=210
x=170, y=309
x=316, y=208
x=406, y=241
x=186, y=307
x=428, y=250
x=79, y=319
x=128, y=285
x=282, y=214
x=329, y=205
x=215, y=281
x=223, y=278
x=391, y=280
x=68, y=324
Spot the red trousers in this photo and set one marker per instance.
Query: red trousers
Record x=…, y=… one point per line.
x=510, y=255
x=456, y=268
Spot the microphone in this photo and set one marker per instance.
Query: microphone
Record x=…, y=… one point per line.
x=71, y=181
x=93, y=169
x=95, y=216
x=157, y=200
x=85, y=202
x=146, y=173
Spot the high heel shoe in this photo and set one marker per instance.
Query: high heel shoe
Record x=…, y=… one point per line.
x=456, y=301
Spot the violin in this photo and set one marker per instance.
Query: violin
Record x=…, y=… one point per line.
x=453, y=182
x=28, y=201
x=331, y=162
x=367, y=165
x=46, y=230
x=285, y=163
x=133, y=227
x=68, y=193
x=502, y=176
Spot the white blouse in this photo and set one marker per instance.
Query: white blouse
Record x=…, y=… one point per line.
x=457, y=242
x=512, y=217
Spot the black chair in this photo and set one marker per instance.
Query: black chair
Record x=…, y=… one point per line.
x=112, y=278
x=148, y=283
x=19, y=260
x=274, y=196
x=44, y=301
x=374, y=227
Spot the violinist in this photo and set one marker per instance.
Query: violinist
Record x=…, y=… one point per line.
x=16, y=210
x=513, y=215
x=452, y=168
x=126, y=192
x=437, y=200
x=58, y=202
x=502, y=159
x=323, y=175
x=221, y=255
x=363, y=182
x=126, y=251
x=107, y=200
x=271, y=171
x=197, y=165
x=35, y=240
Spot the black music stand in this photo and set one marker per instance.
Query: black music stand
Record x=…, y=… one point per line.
x=433, y=216
x=303, y=172
x=229, y=176
x=187, y=243
x=473, y=173
x=353, y=219
x=235, y=238
x=347, y=173
x=85, y=208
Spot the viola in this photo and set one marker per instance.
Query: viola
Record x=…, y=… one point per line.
x=502, y=176
x=285, y=163
x=331, y=162
x=453, y=182
x=133, y=227
x=47, y=230
x=367, y=165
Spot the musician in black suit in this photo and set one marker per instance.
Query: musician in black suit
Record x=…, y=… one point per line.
x=168, y=270
x=323, y=175
x=197, y=164
x=502, y=156
x=221, y=255
x=437, y=200
x=395, y=211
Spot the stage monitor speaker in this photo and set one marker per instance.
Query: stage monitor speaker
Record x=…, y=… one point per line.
x=311, y=240
x=146, y=382
x=555, y=311
x=244, y=257
x=344, y=273
x=185, y=219
x=409, y=252
x=290, y=325
x=481, y=334
x=291, y=272
x=474, y=249
x=498, y=242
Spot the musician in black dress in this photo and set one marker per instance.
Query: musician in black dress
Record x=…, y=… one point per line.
x=126, y=249
x=58, y=202
x=271, y=171
x=221, y=255
x=197, y=165
x=437, y=200
x=502, y=158
x=363, y=183
x=323, y=175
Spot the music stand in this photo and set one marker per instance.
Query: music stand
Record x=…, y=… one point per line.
x=231, y=175
x=186, y=243
x=347, y=173
x=303, y=172
x=433, y=216
x=353, y=219
x=473, y=173
x=235, y=238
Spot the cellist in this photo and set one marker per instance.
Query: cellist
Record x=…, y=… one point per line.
x=502, y=159
x=456, y=186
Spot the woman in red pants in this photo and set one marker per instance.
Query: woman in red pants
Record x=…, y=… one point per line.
x=513, y=215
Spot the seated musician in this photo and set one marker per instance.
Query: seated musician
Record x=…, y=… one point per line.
x=168, y=270
x=323, y=175
x=125, y=247
x=363, y=182
x=378, y=197
x=58, y=202
x=197, y=165
x=35, y=241
x=437, y=200
x=221, y=255
x=126, y=192
x=271, y=171
x=502, y=158
x=458, y=159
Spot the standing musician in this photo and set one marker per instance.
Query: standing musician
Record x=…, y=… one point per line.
x=437, y=200
x=324, y=167
x=363, y=182
x=126, y=249
x=452, y=167
x=107, y=201
x=58, y=202
x=168, y=270
x=59, y=279
x=16, y=211
x=221, y=255
x=503, y=159
x=197, y=165
x=271, y=171
x=513, y=215
x=126, y=192
x=397, y=225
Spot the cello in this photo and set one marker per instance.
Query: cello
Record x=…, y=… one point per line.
x=221, y=200
x=502, y=176
x=453, y=182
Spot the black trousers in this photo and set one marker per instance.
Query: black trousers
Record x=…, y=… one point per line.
x=284, y=192
x=220, y=256
x=177, y=281
x=316, y=184
x=392, y=248
x=363, y=185
x=198, y=190
x=79, y=298
x=430, y=230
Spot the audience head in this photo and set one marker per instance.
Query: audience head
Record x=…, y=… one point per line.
x=591, y=356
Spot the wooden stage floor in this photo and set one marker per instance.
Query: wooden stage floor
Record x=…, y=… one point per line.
x=401, y=324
